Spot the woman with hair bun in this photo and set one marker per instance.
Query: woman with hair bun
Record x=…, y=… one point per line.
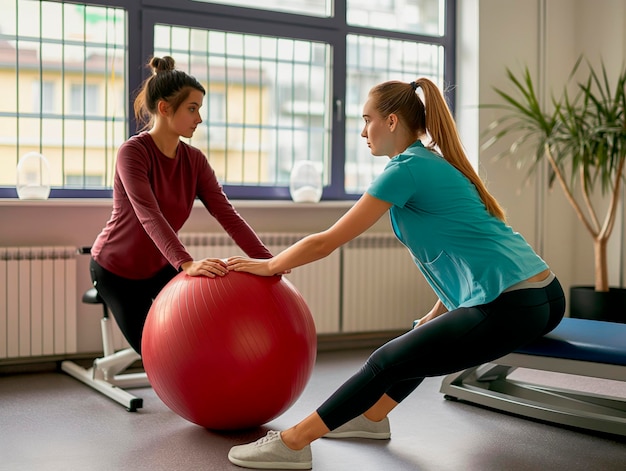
x=157, y=179
x=494, y=292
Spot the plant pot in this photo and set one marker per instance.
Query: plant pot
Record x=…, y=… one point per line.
x=586, y=303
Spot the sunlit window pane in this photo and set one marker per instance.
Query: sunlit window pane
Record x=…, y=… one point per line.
x=304, y=7
x=63, y=74
x=412, y=16
x=267, y=102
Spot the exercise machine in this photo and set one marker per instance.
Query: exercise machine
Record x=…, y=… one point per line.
x=582, y=347
x=108, y=374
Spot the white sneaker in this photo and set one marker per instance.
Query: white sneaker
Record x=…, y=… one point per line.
x=270, y=452
x=362, y=427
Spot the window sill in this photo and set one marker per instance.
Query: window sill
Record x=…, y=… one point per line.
x=106, y=202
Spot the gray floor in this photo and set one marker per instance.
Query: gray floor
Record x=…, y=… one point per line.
x=49, y=421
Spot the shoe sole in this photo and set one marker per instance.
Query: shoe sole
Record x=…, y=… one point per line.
x=370, y=435
x=270, y=465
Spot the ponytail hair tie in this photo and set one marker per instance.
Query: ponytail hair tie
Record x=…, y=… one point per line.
x=414, y=85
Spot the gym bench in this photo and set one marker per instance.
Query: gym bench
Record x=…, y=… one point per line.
x=586, y=348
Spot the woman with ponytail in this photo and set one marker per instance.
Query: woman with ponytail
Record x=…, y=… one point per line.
x=495, y=294
x=157, y=179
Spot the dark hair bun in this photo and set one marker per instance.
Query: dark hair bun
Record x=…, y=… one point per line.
x=164, y=64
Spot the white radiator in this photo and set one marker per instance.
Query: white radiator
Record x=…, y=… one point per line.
x=37, y=301
x=319, y=283
x=370, y=284
x=382, y=288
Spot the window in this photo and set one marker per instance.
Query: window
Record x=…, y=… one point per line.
x=75, y=57
x=267, y=103
x=285, y=81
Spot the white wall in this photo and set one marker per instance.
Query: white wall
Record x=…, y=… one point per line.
x=546, y=35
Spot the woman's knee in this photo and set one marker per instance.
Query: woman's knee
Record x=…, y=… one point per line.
x=391, y=354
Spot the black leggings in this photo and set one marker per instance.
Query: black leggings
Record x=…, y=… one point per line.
x=454, y=341
x=129, y=300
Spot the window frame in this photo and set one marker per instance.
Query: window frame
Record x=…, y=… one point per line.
x=142, y=15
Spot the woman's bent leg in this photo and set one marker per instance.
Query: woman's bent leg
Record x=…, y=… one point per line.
x=129, y=300
x=456, y=340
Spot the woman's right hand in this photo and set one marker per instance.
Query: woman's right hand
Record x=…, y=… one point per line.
x=437, y=310
x=249, y=265
x=210, y=267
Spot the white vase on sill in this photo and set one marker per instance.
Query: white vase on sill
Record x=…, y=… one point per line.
x=33, y=177
x=305, y=182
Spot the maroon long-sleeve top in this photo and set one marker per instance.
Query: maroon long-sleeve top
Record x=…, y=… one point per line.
x=153, y=196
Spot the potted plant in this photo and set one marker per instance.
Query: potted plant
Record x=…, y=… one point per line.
x=582, y=136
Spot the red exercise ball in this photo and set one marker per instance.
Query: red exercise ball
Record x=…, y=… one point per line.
x=229, y=352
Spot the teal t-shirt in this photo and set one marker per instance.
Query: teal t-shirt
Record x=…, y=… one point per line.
x=467, y=255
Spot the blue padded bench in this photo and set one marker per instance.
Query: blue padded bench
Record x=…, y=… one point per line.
x=577, y=347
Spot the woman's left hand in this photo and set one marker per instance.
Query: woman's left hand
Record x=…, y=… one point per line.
x=210, y=267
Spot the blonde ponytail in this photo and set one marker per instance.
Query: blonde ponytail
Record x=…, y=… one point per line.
x=444, y=135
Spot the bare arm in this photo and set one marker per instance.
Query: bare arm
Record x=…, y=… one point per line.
x=314, y=247
x=436, y=311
